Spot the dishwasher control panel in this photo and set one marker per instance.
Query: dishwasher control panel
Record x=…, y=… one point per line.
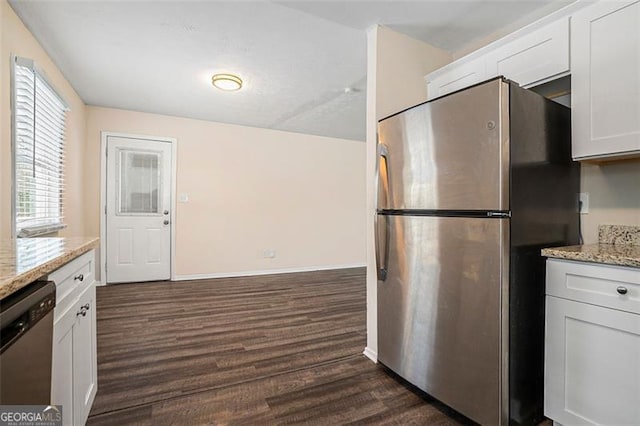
x=42, y=308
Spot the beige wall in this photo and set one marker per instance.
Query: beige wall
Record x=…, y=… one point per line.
x=614, y=195
x=250, y=189
x=396, y=66
x=16, y=39
x=401, y=64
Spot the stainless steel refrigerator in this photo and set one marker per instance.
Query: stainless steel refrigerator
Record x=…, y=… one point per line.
x=470, y=187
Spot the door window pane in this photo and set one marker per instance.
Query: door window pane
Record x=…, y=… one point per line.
x=139, y=182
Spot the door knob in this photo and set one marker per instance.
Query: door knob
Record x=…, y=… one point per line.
x=166, y=222
x=621, y=290
x=166, y=212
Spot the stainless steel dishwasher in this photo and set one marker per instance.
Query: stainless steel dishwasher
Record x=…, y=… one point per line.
x=26, y=343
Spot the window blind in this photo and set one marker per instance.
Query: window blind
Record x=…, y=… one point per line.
x=39, y=130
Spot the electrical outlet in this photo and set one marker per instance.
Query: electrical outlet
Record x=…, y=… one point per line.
x=584, y=203
x=268, y=253
x=184, y=198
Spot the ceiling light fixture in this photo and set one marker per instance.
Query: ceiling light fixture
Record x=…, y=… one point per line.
x=228, y=82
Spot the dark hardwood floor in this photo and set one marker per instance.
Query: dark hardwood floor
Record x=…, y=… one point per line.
x=277, y=349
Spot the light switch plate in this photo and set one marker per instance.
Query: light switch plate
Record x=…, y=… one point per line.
x=584, y=203
x=269, y=253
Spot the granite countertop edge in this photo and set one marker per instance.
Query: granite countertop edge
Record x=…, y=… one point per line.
x=12, y=284
x=608, y=254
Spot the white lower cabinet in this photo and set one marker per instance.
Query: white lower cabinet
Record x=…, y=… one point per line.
x=74, y=366
x=592, y=357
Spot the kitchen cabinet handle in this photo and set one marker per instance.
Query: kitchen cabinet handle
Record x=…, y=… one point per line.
x=82, y=312
x=86, y=306
x=79, y=277
x=621, y=290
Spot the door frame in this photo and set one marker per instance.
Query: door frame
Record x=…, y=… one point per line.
x=104, y=135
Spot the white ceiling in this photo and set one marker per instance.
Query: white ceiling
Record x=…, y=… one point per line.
x=296, y=57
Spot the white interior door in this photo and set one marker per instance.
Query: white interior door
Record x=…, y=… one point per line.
x=138, y=210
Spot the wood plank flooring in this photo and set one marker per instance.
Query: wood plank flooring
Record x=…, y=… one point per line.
x=276, y=349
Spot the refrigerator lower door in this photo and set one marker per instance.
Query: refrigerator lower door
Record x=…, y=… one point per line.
x=441, y=322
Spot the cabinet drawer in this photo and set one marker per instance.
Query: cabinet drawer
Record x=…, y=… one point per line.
x=595, y=284
x=71, y=279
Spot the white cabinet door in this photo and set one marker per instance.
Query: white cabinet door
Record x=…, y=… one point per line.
x=62, y=364
x=74, y=364
x=592, y=364
x=84, y=356
x=455, y=77
x=605, y=80
x=535, y=57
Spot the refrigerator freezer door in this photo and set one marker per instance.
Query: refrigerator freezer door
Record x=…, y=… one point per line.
x=440, y=310
x=448, y=154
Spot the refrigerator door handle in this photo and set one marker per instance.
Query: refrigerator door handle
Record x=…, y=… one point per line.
x=384, y=186
x=382, y=246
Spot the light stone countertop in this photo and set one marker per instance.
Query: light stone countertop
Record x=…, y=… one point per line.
x=610, y=254
x=24, y=260
x=618, y=245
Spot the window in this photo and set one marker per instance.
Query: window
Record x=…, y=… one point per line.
x=139, y=182
x=39, y=116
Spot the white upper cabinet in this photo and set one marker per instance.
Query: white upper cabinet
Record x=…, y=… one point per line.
x=598, y=44
x=605, y=80
x=534, y=58
x=456, y=77
x=531, y=56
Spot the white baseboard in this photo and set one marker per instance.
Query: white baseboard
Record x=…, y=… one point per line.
x=265, y=272
x=371, y=354
x=100, y=284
